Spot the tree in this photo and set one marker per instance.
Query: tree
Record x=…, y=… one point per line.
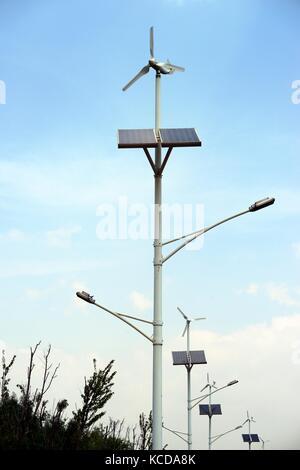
x=97, y=391
x=25, y=422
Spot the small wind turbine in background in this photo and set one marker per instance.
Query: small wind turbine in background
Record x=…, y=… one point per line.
x=250, y=437
x=187, y=327
x=165, y=68
x=215, y=409
x=188, y=369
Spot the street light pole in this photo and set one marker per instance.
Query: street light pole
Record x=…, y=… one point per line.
x=192, y=357
x=249, y=430
x=157, y=291
x=189, y=396
x=209, y=417
x=208, y=395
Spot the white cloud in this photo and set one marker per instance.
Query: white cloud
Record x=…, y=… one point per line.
x=33, y=294
x=62, y=236
x=252, y=289
x=280, y=293
x=140, y=301
x=13, y=235
x=296, y=247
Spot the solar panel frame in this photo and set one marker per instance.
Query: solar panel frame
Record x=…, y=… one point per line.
x=136, y=138
x=174, y=137
x=250, y=437
x=180, y=358
x=215, y=410
x=179, y=137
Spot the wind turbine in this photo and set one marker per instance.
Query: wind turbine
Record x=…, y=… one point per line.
x=165, y=68
x=187, y=327
x=188, y=369
x=160, y=68
x=211, y=410
x=249, y=420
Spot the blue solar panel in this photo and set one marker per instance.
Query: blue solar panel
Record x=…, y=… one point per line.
x=136, y=138
x=214, y=410
x=179, y=137
x=250, y=437
x=146, y=138
x=181, y=358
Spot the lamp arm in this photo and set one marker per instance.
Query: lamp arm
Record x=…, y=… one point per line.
x=177, y=433
x=197, y=234
x=205, y=396
x=120, y=317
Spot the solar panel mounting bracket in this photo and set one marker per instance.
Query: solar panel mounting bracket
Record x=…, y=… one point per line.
x=150, y=160
x=165, y=160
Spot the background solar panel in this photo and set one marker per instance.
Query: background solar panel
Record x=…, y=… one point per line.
x=198, y=357
x=186, y=137
x=136, y=138
x=181, y=358
x=215, y=410
x=250, y=437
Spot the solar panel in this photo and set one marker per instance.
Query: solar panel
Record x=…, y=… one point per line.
x=250, y=437
x=214, y=410
x=186, y=137
x=181, y=358
x=139, y=138
x=136, y=138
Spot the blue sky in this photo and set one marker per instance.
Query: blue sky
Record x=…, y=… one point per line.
x=64, y=65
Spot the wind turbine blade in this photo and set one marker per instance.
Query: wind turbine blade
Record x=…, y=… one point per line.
x=176, y=68
x=199, y=318
x=184, y=330
x=204, y=388
x=184, y=316
x=142, y=72
x=151, y=43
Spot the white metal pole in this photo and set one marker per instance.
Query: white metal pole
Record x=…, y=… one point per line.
x=189, y=392
x=157, y=314
x=249, y=425
x=209, y=419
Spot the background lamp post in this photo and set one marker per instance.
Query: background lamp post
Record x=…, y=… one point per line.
x=210, y=409
x=191, y=358
x=249, y=437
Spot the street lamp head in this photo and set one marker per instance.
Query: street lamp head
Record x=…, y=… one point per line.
x=261, y=204
x=85, y=296
x=233, y=382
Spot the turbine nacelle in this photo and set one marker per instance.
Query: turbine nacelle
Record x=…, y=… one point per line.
x=188, y=320
x=165, y=68
x=160, y=67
